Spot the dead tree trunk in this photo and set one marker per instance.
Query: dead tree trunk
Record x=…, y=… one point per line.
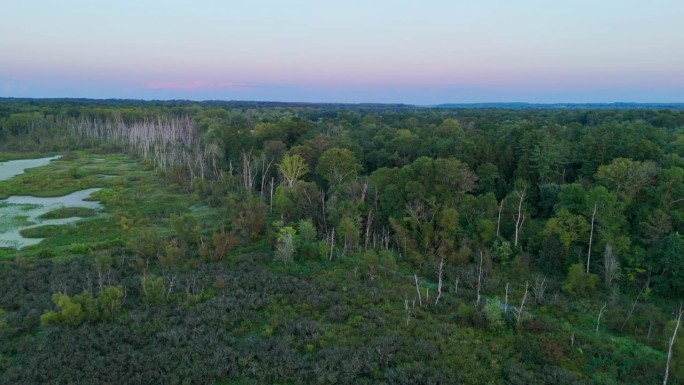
x=331, y=244
x=600, y=314
x=591, y=237
x=672, y=340
x=519, y=313
x=439, y=282
x=264, y=172
x=506, y=300
x=498, y=221
x=624, y=323
x=479, y=281
x=271, y=198
x=369, y=222
x=420, y=300
x=247, y=175
x=520, y=219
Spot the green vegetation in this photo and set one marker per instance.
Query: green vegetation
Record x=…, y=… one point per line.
x=69, y=212
x=263, y=244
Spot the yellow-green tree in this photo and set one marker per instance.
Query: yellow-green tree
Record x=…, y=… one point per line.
x=293, y=167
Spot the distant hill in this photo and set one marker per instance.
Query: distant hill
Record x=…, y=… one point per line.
x=667, y=106
x=335, y=106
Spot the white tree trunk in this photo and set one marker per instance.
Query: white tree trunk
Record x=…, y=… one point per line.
x=600, y=314
x=521, y=216
x=420, y=300
x=522, y=303
x=498, y=221
x=439, y=282
x=672, y=341
x=591, y=237
x=479, y=280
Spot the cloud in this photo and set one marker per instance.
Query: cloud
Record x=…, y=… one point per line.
x=199, y=85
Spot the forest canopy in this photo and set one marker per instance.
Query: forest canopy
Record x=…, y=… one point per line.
x=359, y=244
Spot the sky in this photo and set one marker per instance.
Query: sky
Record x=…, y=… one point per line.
x=354, y=51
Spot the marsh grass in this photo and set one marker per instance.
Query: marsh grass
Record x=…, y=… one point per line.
x=13, y=222
x=69, y=212
x=137, y=195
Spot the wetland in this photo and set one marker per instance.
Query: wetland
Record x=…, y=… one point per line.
x=225, y=244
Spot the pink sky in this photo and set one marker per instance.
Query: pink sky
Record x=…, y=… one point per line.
x=357, y=51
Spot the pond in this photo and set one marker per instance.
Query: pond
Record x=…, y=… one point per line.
x=13, y=168
x=18, y=213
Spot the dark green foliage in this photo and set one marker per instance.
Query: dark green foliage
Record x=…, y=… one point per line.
x=579, y=282
x=218, y=269
x=68, y=212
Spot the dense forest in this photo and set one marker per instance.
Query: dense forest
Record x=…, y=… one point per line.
x=271, y=243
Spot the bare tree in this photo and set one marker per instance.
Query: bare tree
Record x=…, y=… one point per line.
x=591, y=237
x=439, y=282
x=264, y=172
x=600, y=314
x=247, y=172
x=164, y=142
x=498, y=221
x=611, y=266
x=369, y=223
x=420, y=300
x=539, y=288
x=519, y=312
x=520, y=219
x=271, y=197
x=331, y=244
x=285, y=247
x=172, y=279
x=624, y=323
x=680, y=312
x=479, y=280
x=506, y=301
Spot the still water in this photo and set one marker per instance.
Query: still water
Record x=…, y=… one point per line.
x=18, y=213
x=13, y=168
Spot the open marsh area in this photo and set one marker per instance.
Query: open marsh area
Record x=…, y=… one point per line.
x=62, y=204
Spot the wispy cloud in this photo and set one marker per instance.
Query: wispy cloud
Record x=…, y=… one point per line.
x=199, y=85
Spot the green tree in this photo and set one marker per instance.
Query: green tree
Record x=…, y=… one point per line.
x=348, y=233
x=69, y=312
x=292, y=167
x=286, y=244
x=153, y=288
x=110, y=301
x=569, y=228
x=308, y=236
x=187, y=229
x=627, y=177
x=547, y=157
x=502, y=250
x=580, y=283
x=3, y=320
x=666, y=259
x=145, y=241
x=338, y=165
x=492, y=312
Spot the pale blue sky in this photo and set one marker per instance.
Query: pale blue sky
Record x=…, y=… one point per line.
x=421, y=52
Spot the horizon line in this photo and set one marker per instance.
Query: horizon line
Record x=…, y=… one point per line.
x=431, y=105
